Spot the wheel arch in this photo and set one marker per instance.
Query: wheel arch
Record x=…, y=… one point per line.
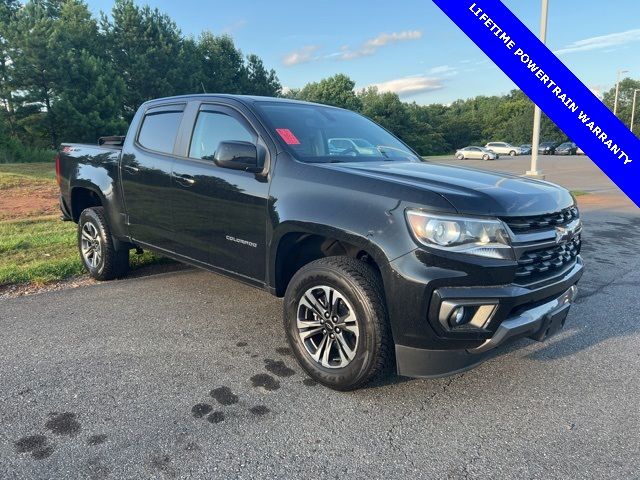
x=85, y=195
x=296, y=245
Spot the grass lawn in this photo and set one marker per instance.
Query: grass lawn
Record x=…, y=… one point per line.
x=45, y=171
x=39, y=249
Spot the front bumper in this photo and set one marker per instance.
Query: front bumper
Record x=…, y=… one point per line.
x=420, y=291
x=537, y=323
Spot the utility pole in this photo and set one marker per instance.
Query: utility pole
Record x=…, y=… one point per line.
x=537, y=113
x=633, y=108
x=615, y=102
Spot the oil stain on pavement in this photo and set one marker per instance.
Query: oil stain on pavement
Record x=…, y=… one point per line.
x=37, y=445
x=259, y=410
x=224, y=396
x=215, y=417
x=201, y=409
x=277, y=367
x=63, y=424
x=265, y=381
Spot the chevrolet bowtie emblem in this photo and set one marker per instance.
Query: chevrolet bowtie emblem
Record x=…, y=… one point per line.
x=564, y=234
x=561, y=234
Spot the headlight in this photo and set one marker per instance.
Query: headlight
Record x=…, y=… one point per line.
x=474, y=236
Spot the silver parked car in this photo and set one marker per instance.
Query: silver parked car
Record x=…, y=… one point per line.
x=476, y=152
x=504, y=148
x=526, y=149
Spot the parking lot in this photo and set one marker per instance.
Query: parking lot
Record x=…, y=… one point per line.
x=187, y=374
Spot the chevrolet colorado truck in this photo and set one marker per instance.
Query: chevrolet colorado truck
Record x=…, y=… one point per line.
x=385, y=261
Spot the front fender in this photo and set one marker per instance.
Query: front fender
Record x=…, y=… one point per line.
x=311, y=200
x=323, y=230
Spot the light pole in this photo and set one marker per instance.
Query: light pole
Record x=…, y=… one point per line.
x=615, y=101
x=537, y=113
x=633, y=108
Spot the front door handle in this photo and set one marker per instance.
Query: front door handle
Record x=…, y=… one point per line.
x=184, y=180
x=131, y=169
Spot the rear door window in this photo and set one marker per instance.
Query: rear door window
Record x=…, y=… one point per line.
x=160, y=129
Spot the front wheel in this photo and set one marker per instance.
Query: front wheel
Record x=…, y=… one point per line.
x=336, y=322
x=460, y=156
x=512, y=153
x=97, y=251
x=485, y=157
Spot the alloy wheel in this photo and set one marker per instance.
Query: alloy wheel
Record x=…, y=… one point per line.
x=91, y=245
x=327, y=327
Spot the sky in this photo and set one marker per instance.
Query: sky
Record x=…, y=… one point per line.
x=409, y=46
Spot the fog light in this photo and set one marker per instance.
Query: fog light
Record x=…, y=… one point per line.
x=458, y=317
x=466, y=314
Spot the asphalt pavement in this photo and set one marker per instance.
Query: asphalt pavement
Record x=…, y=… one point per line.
x=187, y=375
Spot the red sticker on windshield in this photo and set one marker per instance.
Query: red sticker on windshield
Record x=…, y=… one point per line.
x=288, y=136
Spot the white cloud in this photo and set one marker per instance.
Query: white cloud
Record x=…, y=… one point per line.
x=600, y=42
x=372, y=45
x=303, y=55
x=442, y=70
x=406, y=86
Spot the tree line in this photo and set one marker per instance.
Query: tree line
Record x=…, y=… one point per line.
x=435, y=129
x=66, y=75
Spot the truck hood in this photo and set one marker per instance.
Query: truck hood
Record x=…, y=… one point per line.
x=470, y=191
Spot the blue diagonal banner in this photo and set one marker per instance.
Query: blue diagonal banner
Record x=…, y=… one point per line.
x=552, y=86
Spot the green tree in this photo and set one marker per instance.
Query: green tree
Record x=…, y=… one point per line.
x=222, y=64
x=259, y=80
x=145, y=46
x=89, y=91
x=8, y=10
x=426, y=137
x=387, y=110
x=36, y=64
x=337, y=90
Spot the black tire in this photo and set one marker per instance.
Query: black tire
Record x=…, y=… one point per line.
x=512, y=153
x=460, y=156
x=112, y=262
x=485, y=157
x=360, y=285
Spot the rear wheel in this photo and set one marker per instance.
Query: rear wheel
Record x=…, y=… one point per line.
x=336, y=322
x=97, y=250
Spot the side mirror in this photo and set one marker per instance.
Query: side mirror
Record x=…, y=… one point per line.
x=237, y=156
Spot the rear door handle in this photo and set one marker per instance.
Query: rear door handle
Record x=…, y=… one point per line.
x=184, y=180
x=131, y=169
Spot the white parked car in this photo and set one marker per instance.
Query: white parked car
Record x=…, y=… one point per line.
x=504, y=148
x=353, y=146
x=476, y=152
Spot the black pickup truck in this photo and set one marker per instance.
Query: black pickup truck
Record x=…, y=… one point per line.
x=385, y=261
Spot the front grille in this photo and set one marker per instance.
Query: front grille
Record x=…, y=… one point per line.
x=539, y=222
x=536, y=264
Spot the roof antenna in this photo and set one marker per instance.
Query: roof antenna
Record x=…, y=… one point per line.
x=202, y=85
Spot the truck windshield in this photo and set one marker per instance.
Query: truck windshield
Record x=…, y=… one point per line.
x=313, y=133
